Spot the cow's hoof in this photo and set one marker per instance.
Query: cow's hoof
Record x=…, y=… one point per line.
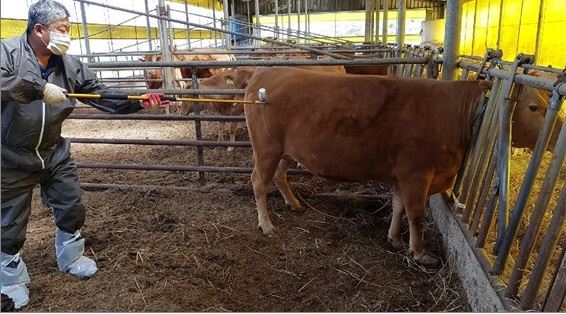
x=267, y=229
x=397, y=244
x=297, y=209
x=427, y=260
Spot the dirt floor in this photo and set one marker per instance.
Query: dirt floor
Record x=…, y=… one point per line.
x=200, y=250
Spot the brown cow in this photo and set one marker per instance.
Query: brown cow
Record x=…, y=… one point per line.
x=367, y=69
x=227, y=79
x=238, y=79
x=410, y=133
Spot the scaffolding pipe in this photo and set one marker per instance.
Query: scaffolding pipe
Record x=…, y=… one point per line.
x=148, y=24
x=226, y=25
x=257, y=21
x=385, y=18
x=401, y=5
x=451, y=39
x=276, y=18
x=85, y=30
x=288, y=19
x=337, y=56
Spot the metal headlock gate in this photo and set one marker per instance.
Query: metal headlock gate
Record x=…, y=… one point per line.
x=483, y=194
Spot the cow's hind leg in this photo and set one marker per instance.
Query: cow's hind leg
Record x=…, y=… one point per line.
x=221, y=127
x=394, y=235
x=280, y=180
x=233, y=128
x=414, y=191
x=263, y=172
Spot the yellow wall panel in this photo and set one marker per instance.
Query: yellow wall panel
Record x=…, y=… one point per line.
x=553, y=45
x=555, y=11
x=494, y=13
x=508, y=41
x=527, y=39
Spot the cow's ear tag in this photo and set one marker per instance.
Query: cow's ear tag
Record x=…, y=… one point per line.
x=230, y=81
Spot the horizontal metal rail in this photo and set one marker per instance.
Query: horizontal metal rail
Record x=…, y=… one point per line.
x=78, y=140
x=155, y=117
x=136, y=65
x=85, y=165
x=227, y=52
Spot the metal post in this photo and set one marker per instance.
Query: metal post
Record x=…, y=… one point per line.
x=198, y=128
x=401, y=4
x=226, y=24
x=451, y=39
x=276, y=19
x=298, y=19
x=214, y=22
x=307, y=20
x=257, y=22
x=148, y=26
x=233, y=19
x=85, y=31
x=377, y=5
x=187, y=19
x=366, y=28
x=288, y=19
x=165, y=47
x=385, y=17
x=250, y=28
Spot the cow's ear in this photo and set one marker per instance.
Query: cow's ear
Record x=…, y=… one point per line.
x=229, y=79
x=485, y=85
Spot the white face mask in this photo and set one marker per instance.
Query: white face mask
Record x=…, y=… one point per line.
x=59, y=43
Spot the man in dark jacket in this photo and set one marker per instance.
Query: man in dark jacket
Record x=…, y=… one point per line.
x=36, y=74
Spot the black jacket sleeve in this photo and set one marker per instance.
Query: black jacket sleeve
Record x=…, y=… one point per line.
x=88, y=83
x=19, y=82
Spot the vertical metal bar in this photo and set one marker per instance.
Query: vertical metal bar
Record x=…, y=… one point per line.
x=539, y=28
x=401, y=6
x=276, y=18
x=226, y=24
x=198, y=127
x=488, y=216
x=385, y=18
x=148, y=27
x=85, y=31
x=187, y=19
x=233, y=18
x=486, y=184
x=469, y=165
x=367, y=19
x=376, y=36
x=257, y=22
x=307, y=21
x=165, y=47
x=481, y=148
x=214, y=22
x=451, y=38
x=465, y=74
x=538, y=213
x=545, y=253
x=298, y=19
x=288, y=19
x=529, y=178
x=555, y=297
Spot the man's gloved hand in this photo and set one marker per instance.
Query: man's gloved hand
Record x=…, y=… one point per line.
x=53, y=94
x=154, y=99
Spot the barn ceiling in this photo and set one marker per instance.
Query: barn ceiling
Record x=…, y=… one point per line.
x=267, y=7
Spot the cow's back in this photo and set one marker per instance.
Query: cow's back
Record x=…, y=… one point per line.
x=351, y=127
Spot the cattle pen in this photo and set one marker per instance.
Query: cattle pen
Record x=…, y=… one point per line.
x=171, y=215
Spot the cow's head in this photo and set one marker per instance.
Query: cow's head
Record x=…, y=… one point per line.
x=152, y=73
x=528, y=118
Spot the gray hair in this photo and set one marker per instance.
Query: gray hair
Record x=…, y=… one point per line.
x=46, y=12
